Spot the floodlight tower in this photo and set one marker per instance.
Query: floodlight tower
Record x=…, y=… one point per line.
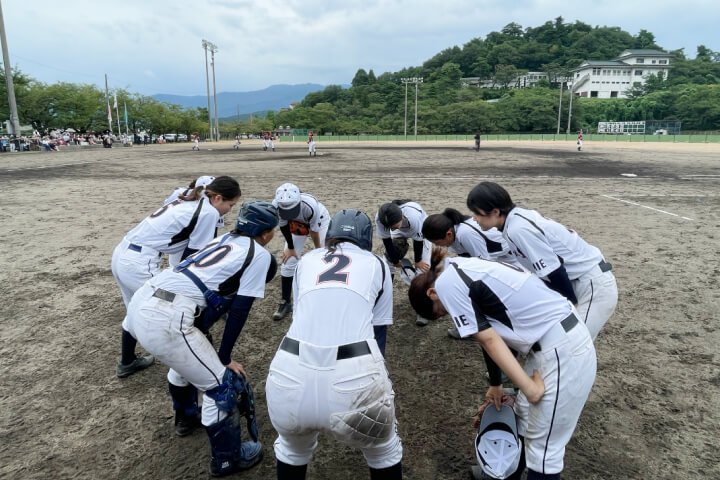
x=209, y=45
x=416, y=81
x=14, y=119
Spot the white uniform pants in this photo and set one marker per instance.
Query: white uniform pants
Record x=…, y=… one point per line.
x=288, y=268
x=166, y=331
x=567, y=364
x=597, y=295
x=351, y=400
x=132, y=269
x=311, y=146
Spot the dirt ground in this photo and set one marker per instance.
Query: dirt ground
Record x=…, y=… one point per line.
x=655, y=406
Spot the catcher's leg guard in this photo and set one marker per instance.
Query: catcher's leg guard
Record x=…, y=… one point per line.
x=229, y=453
x=290, y=472
x=187, y=412
x=389, y=473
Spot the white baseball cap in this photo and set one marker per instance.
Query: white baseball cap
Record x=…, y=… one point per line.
x=204, y=181
x=287, y=200
x=497, y=444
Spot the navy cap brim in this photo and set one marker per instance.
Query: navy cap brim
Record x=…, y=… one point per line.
x=290, y=213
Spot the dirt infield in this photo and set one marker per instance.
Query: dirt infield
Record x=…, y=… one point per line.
x=655, y=406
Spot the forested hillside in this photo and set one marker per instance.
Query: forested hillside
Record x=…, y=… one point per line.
x=376, y=104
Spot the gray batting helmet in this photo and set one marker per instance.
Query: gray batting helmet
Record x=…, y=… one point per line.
x=353, y=225
x=255, y=217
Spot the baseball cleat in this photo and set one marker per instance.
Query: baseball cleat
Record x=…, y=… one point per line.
x=282, y=311
x=140, y=363
x=420, y=321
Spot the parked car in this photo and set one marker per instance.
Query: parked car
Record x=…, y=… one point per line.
x=170, y=137
x=182, y=137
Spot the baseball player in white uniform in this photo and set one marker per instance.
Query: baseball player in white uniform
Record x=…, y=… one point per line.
x=328, y=374
x=554, y=252
x=311, y=144
x=403, y=219
x=202, y=181
x=228, y=274
x=184, y=225
x=505, y=307
x=463, y=236
x=301, y=215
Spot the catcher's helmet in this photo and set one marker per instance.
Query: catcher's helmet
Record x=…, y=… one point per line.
x=353, y=225
x=287, y=200
x=389, y=214
x=255, y=217
x=497, y=445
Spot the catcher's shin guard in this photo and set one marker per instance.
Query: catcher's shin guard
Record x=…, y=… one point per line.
x=229, y=453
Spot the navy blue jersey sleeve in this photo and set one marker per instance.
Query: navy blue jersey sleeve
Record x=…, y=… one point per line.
x=237, y=316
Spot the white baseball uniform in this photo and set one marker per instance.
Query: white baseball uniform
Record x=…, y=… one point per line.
x=311, y=144
x=533, y=320
x=315, y=217
x=174, y=227
x=471, y=240
x=161, y=314
x=542, y=245
x=411, y=228
x=328, y=374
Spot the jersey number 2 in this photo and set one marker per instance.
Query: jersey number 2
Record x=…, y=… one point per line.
x=335, y=273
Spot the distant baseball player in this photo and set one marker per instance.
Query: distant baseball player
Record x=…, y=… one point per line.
x=329, y=376
x=504, y=307
x=396, y=222
x=196, y=143
x=183, y=225
x=311, y=144
x=477, y=142
x=237, y=142
x=228, y=274
x=271, y=144
x=301, y=215
x=580, y=140
x=557, y=254
x=463, y=236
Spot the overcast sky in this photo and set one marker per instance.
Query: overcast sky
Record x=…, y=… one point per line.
x=154, y=46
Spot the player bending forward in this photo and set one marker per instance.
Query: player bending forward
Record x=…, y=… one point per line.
x=328, y=374
x=505, y=307
x=227, y=275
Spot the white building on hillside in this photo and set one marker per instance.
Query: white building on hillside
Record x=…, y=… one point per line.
x=613, y=78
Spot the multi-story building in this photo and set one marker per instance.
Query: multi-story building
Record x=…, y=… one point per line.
x=613, y=78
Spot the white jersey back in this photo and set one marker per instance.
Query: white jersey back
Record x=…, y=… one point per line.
x=312, y=213
x=471, y=240
x=220, y=270
x=541, y=244
x=177, y=225
x=415, y=216
x=339, y=296
x=479, y=294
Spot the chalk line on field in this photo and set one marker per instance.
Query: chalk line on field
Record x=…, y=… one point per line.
x=645, y=206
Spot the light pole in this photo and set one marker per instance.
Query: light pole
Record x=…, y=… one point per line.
x=206, y=45
x=14, y=119
x=212, y=63
x=560, y=107
x=414, y=80
x=571, y=88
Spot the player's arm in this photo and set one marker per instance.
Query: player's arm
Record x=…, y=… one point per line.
x=237, y=316
x=290, y=250
x=502, y=357
x=315, y=238
x=418, y=246
x=392, y=252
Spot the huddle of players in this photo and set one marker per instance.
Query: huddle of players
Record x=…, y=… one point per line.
x=342, y=303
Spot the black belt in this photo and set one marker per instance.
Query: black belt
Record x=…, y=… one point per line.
x=349, y=350
x=135, y=248
x=605, y=266
x=567, y=324
x=164, y=295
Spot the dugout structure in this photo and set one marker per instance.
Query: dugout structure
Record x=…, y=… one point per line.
x=642, y=127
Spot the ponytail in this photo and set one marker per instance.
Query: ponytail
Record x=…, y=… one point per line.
x=417, y=293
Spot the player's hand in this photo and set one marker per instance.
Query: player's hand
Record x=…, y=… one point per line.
x=423, y=266
x=537, y=389
x=236, y=367
x=287, y=253
x=494, y=395
x=508, y=400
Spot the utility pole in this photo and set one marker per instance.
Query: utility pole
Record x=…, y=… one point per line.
x=560, y=107
x=14, y=119
x=414, y=80
x=205, y=45
x=570, y=89
x=212, y=63
x=107, y=101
